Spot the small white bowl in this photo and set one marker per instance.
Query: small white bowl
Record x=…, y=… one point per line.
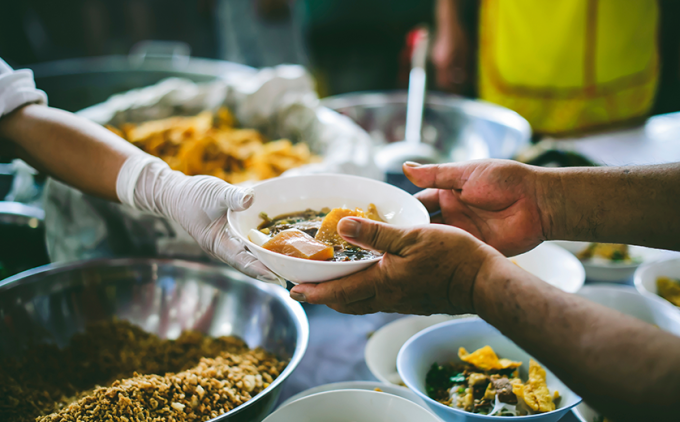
x=352, y=406
x=284, y=195
x=440, y=344
x=383, y=347
x=617, y=272
x=553, y=265
x=360, y=385
x=625, y=299
x=645, y=276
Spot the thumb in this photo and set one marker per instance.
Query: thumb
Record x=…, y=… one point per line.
x=440, y=176
x=371, y=234
x=237, y=198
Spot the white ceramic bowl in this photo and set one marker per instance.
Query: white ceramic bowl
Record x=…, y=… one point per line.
x=360, y=385
x=383, y=347
x=284, y=195
x=616, y=272
x=440, y=344
x=553, y=265
x=626, y=300
x=645, y=276
x=352, y=406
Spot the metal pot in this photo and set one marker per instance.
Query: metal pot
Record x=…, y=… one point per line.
x=460, y=128
x=75, y=84
x=51, y=303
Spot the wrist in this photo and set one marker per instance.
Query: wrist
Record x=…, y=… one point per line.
x=491, y=274
x=550, y=201
x=463, y=282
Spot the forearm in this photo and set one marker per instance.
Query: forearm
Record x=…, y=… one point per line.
x=635, y=205
x=72, y=149
x=623, y=367
x=446, y=16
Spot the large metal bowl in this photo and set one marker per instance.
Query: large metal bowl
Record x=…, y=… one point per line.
x=51, y=303
x=461, y=129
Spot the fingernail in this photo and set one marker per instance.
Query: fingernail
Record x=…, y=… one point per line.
x=298, y=296
x=412, y=164
x=349, y=227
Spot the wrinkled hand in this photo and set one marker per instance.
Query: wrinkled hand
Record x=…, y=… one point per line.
x=425, y=270
x=495, y=200
x=198, y=203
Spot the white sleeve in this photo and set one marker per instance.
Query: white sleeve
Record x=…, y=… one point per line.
x=17, y=88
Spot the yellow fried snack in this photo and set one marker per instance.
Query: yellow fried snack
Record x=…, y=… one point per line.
x=669, y=289
x=486, y=359
x=210, y=144
x=535, y=392
x=328, y=232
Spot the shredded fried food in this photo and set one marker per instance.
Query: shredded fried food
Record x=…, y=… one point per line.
x=135, y=368
x=209, y=143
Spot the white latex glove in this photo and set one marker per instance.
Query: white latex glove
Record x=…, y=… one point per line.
x=198, y=203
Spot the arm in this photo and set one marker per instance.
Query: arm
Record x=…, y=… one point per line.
x=81, y=153
x=637, y=204
x=627, y=369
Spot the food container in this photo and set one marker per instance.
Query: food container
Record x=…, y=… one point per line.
x=440, y=344
x=51, y=303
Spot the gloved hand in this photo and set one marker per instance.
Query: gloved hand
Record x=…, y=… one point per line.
x=198, y=203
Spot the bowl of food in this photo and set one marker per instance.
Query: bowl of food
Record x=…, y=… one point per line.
x=627, y=300
x=360, y=385
x=660, y=279
x=611, y=262
x=466, y=370
x=171, y=339
x=292, y=224
x=553, y=265
x=352, y=405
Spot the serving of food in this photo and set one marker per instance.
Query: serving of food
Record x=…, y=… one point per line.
x=484, y=384
x=312, y=234
x=291, y=227
x=609, y=252
x=116, y=368
x=211, y=143
x=466, y=370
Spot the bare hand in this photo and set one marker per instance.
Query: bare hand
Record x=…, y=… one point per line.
x=495, y=200
x=425, y=270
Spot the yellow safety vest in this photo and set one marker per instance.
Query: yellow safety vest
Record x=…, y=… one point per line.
x=569, y=65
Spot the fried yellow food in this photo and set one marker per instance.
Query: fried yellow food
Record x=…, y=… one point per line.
x=669, y=289
x=535, y=392
x=299, y=244
x=210, y=144
x=486, y=359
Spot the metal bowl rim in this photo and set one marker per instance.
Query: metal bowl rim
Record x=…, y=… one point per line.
x=300, y=317
x=473, y=107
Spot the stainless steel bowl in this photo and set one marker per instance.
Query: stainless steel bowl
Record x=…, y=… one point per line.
x=51, y=303
x=461, y=129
